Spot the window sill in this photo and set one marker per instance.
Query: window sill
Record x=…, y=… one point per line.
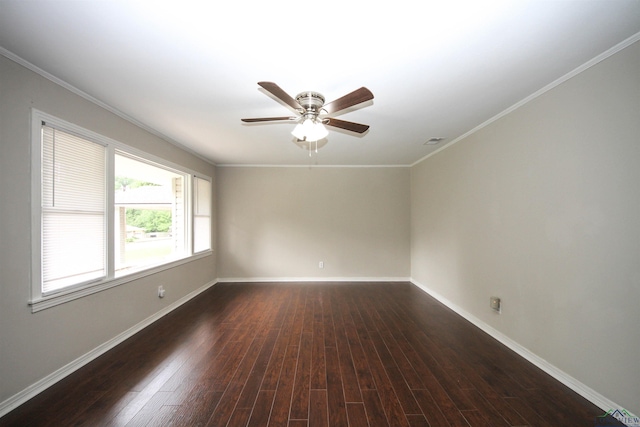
x=44, y=302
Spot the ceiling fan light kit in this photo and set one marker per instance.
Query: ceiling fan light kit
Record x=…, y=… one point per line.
x=310, y=130
x=313, y=114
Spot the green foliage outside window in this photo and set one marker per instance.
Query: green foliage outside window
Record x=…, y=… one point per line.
x=152, y=221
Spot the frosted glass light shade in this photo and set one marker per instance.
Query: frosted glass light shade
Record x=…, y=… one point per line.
x=298, y=131
x=317, y=131
x=310, y=130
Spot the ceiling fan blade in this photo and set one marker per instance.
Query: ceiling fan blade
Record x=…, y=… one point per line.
x=343, y=124
x=349, y=100
x=268, y=119
x=275, y=90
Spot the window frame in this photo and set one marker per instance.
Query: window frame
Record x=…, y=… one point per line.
x=40, y=300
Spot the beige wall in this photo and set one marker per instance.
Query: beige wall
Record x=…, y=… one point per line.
x=281, y=222
x=34, y=345
x=542, y=208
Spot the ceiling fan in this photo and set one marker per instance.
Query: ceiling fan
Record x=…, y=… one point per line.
x=313, y=112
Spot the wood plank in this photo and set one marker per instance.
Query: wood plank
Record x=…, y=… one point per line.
x=197, y=409
x=495, y=416
x=388, y=398
x=296, y=325
x=272, y=374
x=262, y=409
x=254, y=381
x=239, y=417
x=234, y=388
x=300, y=401
x=430, y=408
x=350, y=385
x=318, y=367
x=427, y=350
x=198, y=363
x=318, y=409
x=373, y=407
x=282, y=400
x=417, y=421
x=526, y=412
x=328, y=326
x=404, y=395
x=363, y=373
x=475, y=418
x=335, y=390
x=274, y=368
x=146, y=413
x=357, y=415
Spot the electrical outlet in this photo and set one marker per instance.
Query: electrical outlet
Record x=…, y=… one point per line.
x=495, y=304
x=160, y=292
x=321, y=264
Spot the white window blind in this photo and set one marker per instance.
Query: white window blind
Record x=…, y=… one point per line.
x=201, y=215
x=73, y=210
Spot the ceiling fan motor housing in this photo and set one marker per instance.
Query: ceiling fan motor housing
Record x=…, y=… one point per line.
x=312, y=102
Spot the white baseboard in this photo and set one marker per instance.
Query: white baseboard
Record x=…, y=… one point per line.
x=310, y=279
x=46, y=382
x=566, y=379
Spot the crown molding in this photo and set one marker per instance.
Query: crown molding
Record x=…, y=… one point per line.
x=26, y=64
x=606, y=54
x=310, y=166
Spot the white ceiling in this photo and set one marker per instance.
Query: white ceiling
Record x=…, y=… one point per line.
x=188, y=70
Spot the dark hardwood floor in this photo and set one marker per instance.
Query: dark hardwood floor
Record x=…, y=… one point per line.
x=358, y=354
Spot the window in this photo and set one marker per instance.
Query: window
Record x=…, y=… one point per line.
x=106, y=213
x=149, y=217
x=201, y=215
